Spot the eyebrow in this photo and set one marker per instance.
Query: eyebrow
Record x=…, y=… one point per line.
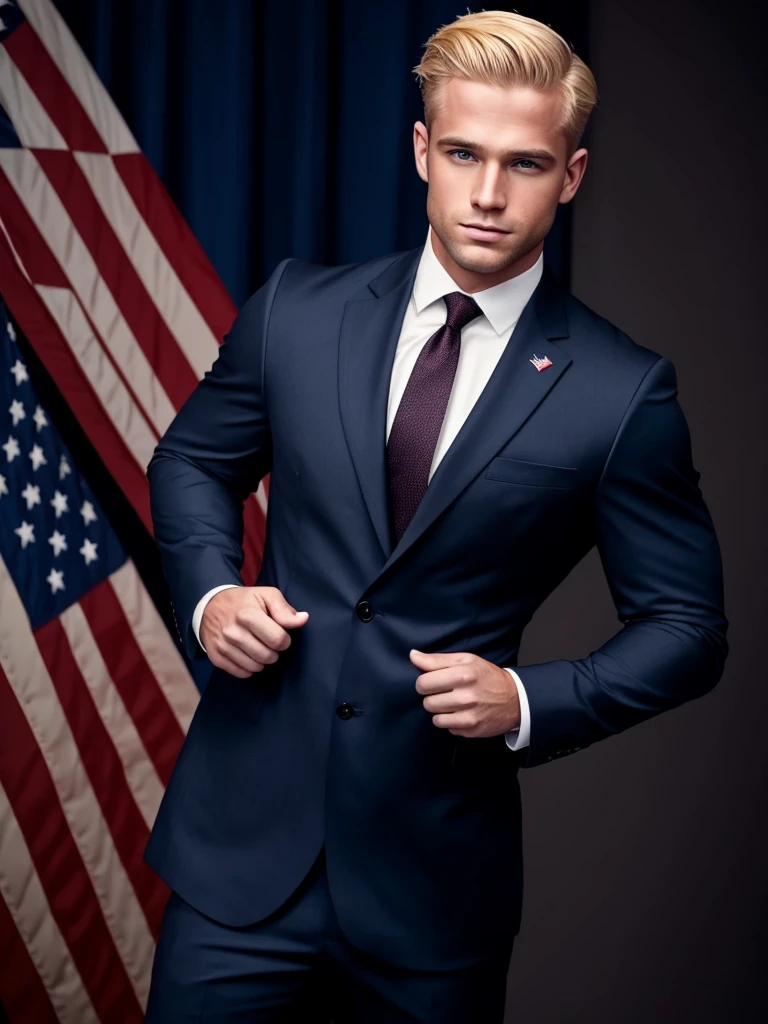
x=527, y=154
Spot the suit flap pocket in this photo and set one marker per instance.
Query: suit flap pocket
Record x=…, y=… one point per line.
x=537, y=474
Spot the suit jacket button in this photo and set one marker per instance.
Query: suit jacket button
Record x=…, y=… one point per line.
x=345, y=710
x=364, y=611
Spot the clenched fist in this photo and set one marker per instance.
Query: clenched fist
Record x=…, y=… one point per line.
x=244, y=628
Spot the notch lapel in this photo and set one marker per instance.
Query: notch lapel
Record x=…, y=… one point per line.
x=368, y=340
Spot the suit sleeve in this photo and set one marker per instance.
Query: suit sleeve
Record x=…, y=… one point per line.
x=209, y=460
x=662, y=561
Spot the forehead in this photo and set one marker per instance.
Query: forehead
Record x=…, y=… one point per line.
x=497, y=116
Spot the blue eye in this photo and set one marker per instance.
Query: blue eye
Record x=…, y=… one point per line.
x=455, y=152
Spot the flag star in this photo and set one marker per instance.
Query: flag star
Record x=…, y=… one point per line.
x=64, y=467
x=12, y=448
x=26, y=533
x=59, y=502
x=17, y=411
x=88, y=551
x=56, y=578
x=59, y=542
x=37, y=456
x=11, y=332
x=3, y=485
x=19, y=371
x=87, y=512
x=39, y=418
x=31, y=495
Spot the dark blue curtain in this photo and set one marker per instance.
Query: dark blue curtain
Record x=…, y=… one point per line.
x=280, y=128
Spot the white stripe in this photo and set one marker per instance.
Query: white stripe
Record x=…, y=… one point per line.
x=260, y=495
x=22, y=891
x=156, y=645
x=55, y=35
x=35, y=692
x=115, y=398
x=143, y=781
x=53, y=221
x=195, y=338
x=32, y=124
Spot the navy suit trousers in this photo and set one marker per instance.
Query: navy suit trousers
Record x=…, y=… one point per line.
x=296, y=967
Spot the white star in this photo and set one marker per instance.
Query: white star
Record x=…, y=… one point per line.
x=87, y=512
x=11, y=448
x=88, y=551
x=19, y=371
x=39, y=418
x=11, y=332
x=26, y=532
x=37, y=456
x=59, y=542
x=31, y=494
x=3, y=485
x=17, y=411
x=64, y=467
x=56, y=578
x=59, y=502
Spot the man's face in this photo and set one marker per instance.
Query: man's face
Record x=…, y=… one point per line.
x=494, y=157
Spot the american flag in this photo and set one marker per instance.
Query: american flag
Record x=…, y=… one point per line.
x=124, y=310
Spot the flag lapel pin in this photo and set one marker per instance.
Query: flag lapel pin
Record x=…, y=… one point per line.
x=540, y=362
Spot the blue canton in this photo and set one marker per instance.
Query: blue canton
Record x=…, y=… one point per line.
x=54, y=537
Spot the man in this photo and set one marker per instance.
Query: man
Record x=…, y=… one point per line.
x=448, y=433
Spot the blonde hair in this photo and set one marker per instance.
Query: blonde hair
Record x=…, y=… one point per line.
x=501, y=48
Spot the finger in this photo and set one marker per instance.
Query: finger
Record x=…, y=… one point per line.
x=281, y=611
x=230, y=666
x=440, y=680
x=448, y=702
x=236, y=638
x=260, y=625
x=238, y=657
x=439, y=659
x=458, y=720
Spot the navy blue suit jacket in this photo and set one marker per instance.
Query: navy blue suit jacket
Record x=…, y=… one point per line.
x=422, y=828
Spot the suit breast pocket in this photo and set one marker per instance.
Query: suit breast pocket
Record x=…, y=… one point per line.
x=532, y=474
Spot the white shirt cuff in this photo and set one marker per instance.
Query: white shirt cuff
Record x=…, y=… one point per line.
x=197, y=614
x=520, y=737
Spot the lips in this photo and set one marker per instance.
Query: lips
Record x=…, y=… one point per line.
x=484, y=234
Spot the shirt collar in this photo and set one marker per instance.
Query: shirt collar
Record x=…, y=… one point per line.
x=501, y=305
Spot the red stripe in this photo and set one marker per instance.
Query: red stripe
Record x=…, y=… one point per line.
x=176, y=240
x=52, y=89
x=43, y=334
x=104, y=769
x=22, y=993
x=34, y=252
x=158, y=727
x=134, y=302
x=63, y=875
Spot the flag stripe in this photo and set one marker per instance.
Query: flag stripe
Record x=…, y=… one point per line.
x=52, y=89
x=32, y=124
x=155, y=643
x=67, y=884
x=128, y=827
x=34, y=255
x=54, y=223
x=38, y=972
x=170, y=299
x=177, y=241
x=29, y=678
x=65, y=172
x=47, y=340
x=123, y=739
x=64, y=51
x=134, y=680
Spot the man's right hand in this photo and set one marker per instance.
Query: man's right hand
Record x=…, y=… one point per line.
x=244, y=628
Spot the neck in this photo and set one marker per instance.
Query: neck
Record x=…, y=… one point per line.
x=472, y=281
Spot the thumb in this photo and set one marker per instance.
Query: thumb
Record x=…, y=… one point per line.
x=282, y=612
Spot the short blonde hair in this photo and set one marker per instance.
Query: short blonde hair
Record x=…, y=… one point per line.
x=501, y=48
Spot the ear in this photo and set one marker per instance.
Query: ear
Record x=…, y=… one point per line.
x=574, y=172
x=420, y=148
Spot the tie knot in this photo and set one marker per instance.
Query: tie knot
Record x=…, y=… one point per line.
x=461, y=309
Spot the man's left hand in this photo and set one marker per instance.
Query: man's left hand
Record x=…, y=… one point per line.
x=466, y=694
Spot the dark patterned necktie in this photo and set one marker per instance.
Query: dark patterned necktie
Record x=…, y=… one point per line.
x=419, y=417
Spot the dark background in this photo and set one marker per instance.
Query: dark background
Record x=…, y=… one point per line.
x=274, y=125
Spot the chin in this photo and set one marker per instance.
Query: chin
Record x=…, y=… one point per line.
x=478, y=257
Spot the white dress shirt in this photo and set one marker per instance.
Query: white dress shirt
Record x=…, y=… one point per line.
x=482, y=342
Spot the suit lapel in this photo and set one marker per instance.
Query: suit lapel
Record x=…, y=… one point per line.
x=369, y=334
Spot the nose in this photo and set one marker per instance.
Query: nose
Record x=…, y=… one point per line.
x=489, y=188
